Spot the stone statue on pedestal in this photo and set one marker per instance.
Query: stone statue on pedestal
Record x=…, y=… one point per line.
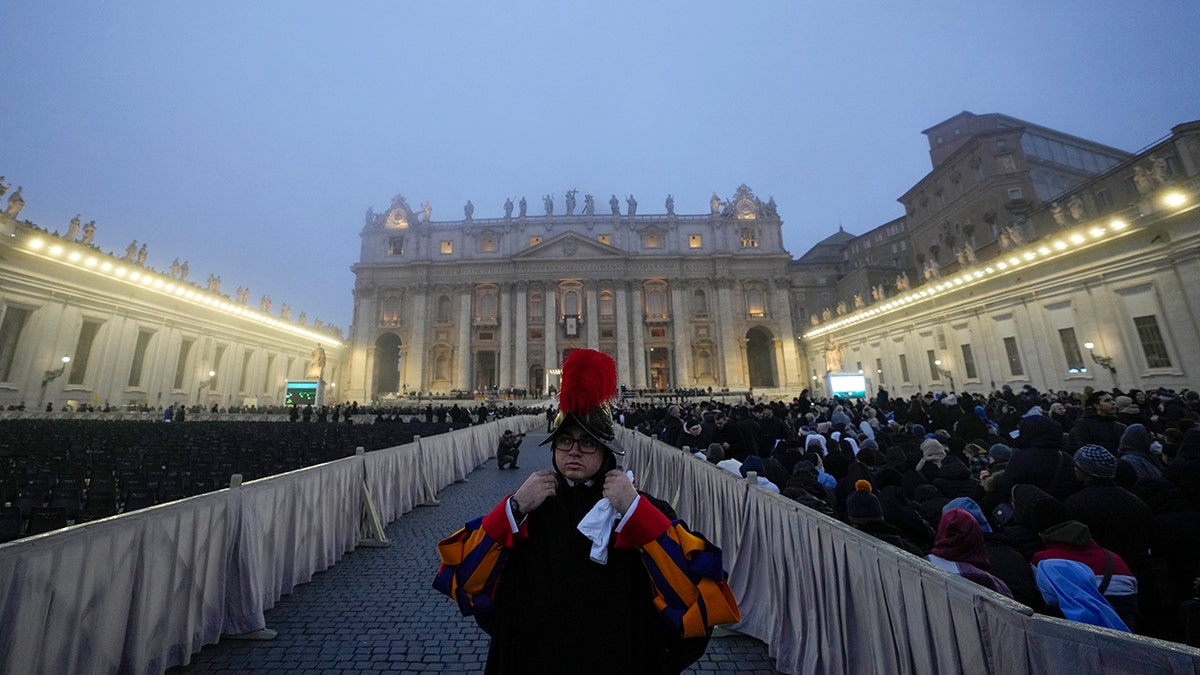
x=570, y=200
x=316, y=363
x=3, y=187
x=89, y=233
x=1060, y=217
x=175, y=268
x=1076, y=208
x=468, y=210
x=73, y=228
x=630, y=206
x=614, y=206
x=508, y=207
x=589, y=205
x=183, y=271
x=548, y=204
x=715, y=204
x=15, y=203
x=521, y=206
x=141, y=256
x=833, y=356
x=131, y=251
x=670, y=205
x=427, y=211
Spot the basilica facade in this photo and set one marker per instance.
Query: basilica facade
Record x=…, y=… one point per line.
x=494, y=305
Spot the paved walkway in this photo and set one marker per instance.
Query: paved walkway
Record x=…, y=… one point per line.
x=375, y=610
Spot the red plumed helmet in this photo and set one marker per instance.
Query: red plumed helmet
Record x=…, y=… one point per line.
x=589, y=384
x=589, y=380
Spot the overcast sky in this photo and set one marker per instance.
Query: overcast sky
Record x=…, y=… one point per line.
x=251, y=137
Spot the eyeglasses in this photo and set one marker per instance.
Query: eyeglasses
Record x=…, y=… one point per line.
x=586, y=445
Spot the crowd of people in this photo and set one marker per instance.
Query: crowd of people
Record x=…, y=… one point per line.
x=1084, y=505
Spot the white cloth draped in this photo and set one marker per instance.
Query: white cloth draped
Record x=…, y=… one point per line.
x=143, y=591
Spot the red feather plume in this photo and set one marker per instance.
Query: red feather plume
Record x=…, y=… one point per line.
x=589, y=380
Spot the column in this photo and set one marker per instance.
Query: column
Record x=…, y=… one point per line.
x=504, y=316
x=521, y=358
x=639, y=337
x=728, y=343
x=781, y=369
x=682, y=352
x=464, y=339
x=550, y=326
x=622, y=302
x=591, y=318
x=417, y=329
x=790, y=372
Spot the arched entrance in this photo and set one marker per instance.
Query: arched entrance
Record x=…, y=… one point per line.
x=387, y=365
x=536, y=375
x=760, y=357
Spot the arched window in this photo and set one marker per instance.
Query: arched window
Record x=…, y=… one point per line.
x=537, y=309
x=755, y=303
x=571, y=303
x=443, y=309
x=389, y=311
x=655, y=303
x=606, y=304
x=487, y=307
x=700, y=302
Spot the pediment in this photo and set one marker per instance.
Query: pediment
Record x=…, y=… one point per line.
x=569, y=245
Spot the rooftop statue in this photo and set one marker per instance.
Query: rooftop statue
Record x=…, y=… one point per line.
x=15, y=204
x=508, y=207
x=73, y=228
x=614, y=205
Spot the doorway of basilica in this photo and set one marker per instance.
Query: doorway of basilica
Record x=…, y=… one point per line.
x=760, y=357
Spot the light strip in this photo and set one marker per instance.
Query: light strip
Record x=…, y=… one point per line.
x=153, y=281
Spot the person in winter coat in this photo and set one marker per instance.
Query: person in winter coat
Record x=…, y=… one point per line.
x=1184, y=470
x=1099, y=425
x=1135, y=451
x=1072, y=540
x=1116, y=517
x=959, y=549
x=954, y=480
x=1038, y=459
x=863, y=512
x=1007, y=562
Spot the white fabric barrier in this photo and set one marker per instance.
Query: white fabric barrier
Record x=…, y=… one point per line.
x=141, y=592
x=827, y=598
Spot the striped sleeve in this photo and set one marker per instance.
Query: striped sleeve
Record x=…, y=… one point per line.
x=473, y=558
x=690, y=592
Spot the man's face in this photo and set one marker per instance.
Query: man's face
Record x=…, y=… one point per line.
x=574, y=463
x=720, y=422
x=1107, y=405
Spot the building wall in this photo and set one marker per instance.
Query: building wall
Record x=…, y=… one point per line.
x=154, y=338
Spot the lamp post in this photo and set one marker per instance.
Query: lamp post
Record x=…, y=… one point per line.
x=1105, y=362
x=945, y=372
x=52, y=375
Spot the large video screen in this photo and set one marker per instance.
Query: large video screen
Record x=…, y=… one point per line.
x=301, y=393
x=848, y=386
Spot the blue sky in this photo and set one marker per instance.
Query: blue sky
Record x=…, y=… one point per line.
x=250, y=137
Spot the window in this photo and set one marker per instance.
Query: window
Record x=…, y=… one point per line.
x=486, y=337
x=389, y=311
x=695, y=241
x=534, y=241
x=749, y=237
x=395, y=245
x=652, y=240
x=904, y=369
x=968, y=363
x=1014, y=357
x=755, y=303
x=537, y=309
x=1103, y=200
x=487, y=245
x=658, y=332
x=10, y=332
x=447, y=247
x=606, y=304
x=1070, y=347
x=656, y=304
x=139, y=358
x=83, y=350
x=1005, y=162
x=879, y=370
x=1152, y=342
x=185, y=350
x=700, y=303
x=487, y=307
x=934, y=370
x=605, y=239
x=441, y=366
x=571, y=303
x=1014, y=193
x=443, y=309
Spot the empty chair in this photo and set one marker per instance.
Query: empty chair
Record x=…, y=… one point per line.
x=46, y=519
x=11, y=523
x=139, y=499
x=67, y=499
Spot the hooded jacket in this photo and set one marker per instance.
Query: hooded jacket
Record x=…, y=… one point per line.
x=1039, y=460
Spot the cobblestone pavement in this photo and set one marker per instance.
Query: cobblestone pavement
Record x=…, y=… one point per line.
x=374, y=611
